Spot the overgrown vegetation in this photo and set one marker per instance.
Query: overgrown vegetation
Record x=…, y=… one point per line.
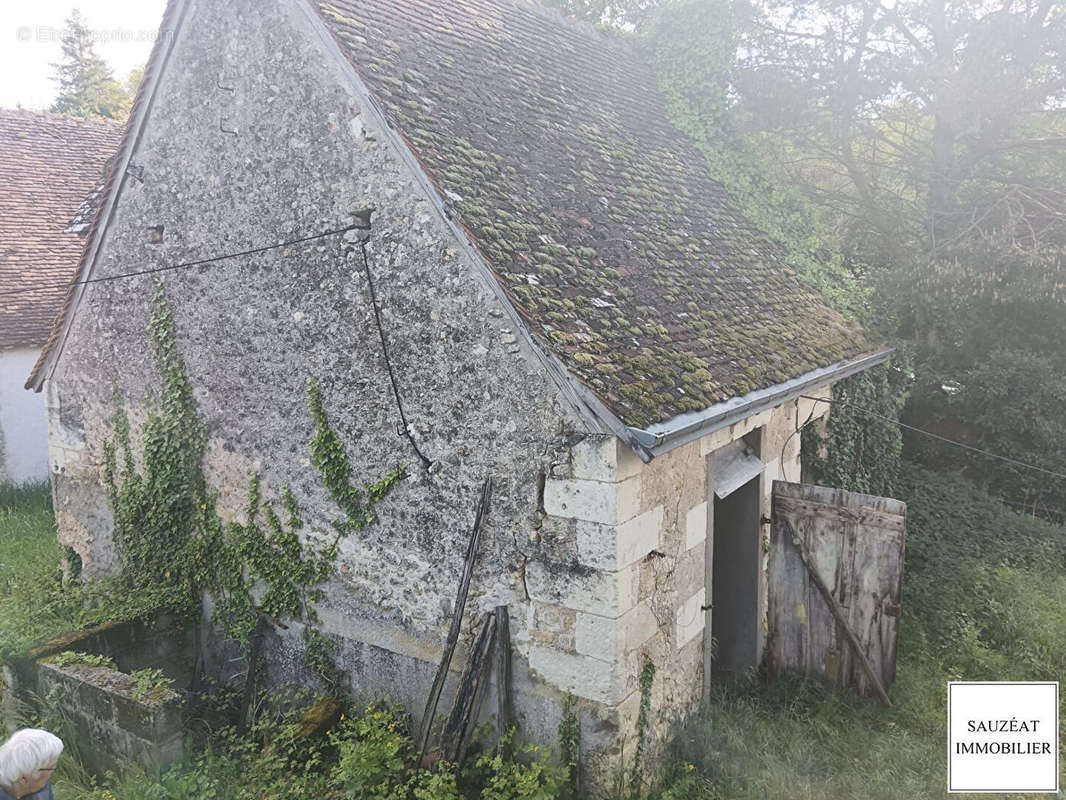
x=70, y=658
x=862, y=444
x=367, y=753
x=984, y=598
x=36, y=603
x=150, y=682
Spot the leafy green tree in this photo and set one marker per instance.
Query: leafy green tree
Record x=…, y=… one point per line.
x=86, y=86
x=931, y=137
x=625, y=14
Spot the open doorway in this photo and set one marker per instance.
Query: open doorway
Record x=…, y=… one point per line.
x=735, y=578
x=734, y=555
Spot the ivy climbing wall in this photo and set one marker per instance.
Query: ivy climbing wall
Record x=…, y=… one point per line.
x=223, y=422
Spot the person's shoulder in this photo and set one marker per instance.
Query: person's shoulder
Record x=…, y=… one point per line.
x=42, y=794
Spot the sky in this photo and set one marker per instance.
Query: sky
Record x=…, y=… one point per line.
x=30, y=42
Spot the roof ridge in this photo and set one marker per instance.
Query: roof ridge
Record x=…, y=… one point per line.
x=57, y=115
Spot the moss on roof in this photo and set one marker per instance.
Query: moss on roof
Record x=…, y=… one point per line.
x=552, y=144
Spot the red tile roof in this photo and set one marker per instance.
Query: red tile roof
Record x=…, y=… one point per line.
x=49, y=164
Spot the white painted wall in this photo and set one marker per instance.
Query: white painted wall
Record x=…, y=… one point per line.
x=23, y=427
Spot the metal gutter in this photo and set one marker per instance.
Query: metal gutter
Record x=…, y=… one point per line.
x=663, y=437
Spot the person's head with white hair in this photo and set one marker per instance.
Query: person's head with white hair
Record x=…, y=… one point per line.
x=27, y=761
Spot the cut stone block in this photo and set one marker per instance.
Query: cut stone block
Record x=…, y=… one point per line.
x=607, y=639
x=696, y=525
x=592, y=501
x=585, y=677
x=596, y=458
x=607, y=594
x=690, y=618
x=614, y=547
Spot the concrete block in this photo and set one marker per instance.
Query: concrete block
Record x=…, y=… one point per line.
x=608, y=594
x=690, y=618
x=607, y=639
x=596, y=458
x=614, y=547
x=592, y=501
x=712, y=441
x=696, y=525
x=586, y=677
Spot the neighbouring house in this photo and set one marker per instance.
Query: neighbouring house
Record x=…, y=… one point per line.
x=49, y=165
x=570, y=305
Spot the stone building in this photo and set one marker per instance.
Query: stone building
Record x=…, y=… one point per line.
x=49, y=164
x=570, y=305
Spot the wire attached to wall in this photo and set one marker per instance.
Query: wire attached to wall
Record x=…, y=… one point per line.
x=426, y=463
x=182, y=265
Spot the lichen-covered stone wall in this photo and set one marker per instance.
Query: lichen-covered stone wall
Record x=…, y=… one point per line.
x=256, y=136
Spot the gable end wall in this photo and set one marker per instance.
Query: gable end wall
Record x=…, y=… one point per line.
x=255, y=137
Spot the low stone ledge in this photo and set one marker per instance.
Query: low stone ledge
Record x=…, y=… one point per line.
x=113, y=727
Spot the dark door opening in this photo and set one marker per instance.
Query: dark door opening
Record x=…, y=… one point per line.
x=735, y=579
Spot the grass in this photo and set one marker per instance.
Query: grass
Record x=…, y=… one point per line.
x=30, y=560
x=984, y=598
x=36, y=605
x=28, y=546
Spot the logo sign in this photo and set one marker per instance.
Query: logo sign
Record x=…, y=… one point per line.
x=1003, y=737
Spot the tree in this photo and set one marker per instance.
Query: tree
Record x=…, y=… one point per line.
x=624, y=14
x=931, y=136
x=917, y=122
x=133, y=81
x=86, y=86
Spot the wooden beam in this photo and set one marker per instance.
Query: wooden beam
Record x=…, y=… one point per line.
x=457, y=620
x=463, y=717
x=504, y=704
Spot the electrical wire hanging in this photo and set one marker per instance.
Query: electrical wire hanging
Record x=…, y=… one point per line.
x=938, y=437
x=426, y=463
x=183, y=265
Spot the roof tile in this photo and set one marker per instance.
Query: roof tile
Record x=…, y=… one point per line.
x=49, y=165
x=552, y=144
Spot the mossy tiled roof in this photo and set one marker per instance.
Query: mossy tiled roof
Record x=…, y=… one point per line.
x=551, y=143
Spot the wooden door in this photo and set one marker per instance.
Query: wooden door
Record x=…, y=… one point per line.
x=851, y=544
